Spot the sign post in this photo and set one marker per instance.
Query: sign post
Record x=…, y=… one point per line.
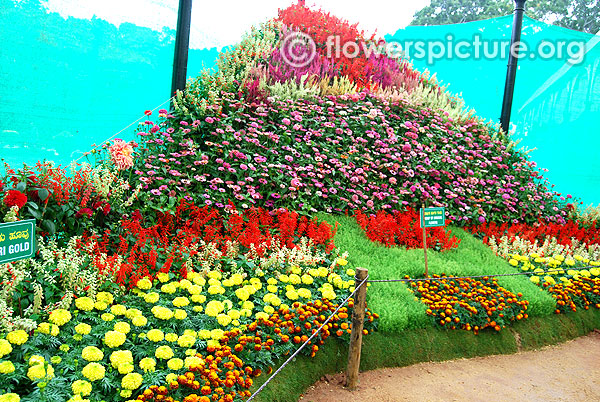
x=430, y=218
x=17, y=240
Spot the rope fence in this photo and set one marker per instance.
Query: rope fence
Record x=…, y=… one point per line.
x=307, y=341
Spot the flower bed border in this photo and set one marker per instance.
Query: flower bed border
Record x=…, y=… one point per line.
x=422, y=345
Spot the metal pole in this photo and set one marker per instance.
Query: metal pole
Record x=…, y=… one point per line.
x=182, y=44
x=511, y=72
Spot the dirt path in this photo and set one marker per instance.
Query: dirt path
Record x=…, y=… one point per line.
x=567, y=372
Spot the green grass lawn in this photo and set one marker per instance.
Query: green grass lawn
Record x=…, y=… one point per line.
x=398, y=308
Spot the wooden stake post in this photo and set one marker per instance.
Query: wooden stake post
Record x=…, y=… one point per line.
x=424, y=238
x=358, y=318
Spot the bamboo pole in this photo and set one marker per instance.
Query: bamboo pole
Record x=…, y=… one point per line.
x=358, y=318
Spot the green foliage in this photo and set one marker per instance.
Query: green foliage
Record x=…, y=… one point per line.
x=581, y=15
x=397, y=307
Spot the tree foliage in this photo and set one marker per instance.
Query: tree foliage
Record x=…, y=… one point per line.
x=580, y=15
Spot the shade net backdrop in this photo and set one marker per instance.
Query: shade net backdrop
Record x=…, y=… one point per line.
x=556, y=105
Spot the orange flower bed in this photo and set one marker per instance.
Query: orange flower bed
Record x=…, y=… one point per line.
x=470, y=304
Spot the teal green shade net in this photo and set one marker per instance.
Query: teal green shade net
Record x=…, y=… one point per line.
x=556, y=106
x=68, y=83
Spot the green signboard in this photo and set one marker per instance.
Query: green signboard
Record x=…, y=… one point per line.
x=433, y=217
x=17, y=240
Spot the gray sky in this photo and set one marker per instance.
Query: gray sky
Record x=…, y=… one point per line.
x=222, y=22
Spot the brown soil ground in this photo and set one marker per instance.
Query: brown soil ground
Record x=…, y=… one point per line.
x=567, y=372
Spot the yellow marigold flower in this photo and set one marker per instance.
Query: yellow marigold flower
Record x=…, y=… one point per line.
x=125, y=367
x=114, y=339
x=198, y=298
x=248, y=305
x=36, y=359
x=171, y=337
x=192, y=361
x=163, y=352
x=585, y=273
x=296, y=269
x=132, y=381
x=83, y=328
x=234, y=314
x=120, y=356
x=105, y=297
x=64, y=348
x=122, y=326
x=213, y=308
x=342, y=261
x=323, y=272
x=92, y=354
x=171, y=377
x=284, y=278
x=81, y=387
x=151, y=297
x=10, y=397
x=186, y=341
x=132, y=313
x=144, y=284
x=181, y=301
x=60, y=317
x=272, y=281
x=217, y=334
x=295, y=279
x=535, y=279
x=571, y=272
x=246, y=312
x=272, y=289
x=175, y=364
x=307, y=279
x=513, y=262
x=185, y=284
x=162, y=313
x=47, y=328
x=269, y=309
x=350, y=272
x=204, y=334
x=56, y=359
x=168, y=288
x=199, y=280
x=180, y=314
x=549, y=279
x=78, y=398
x=118, y=309
x=304, y=293
x=223, y=319
x=163, y=277
x=242, y=294
x=17, y=337
x=126, y=393
x=214, y=275
x=148, y=364
x=155, y=335
x=6, y=367
x=100, y=306
x=194, y=290
x=216, y=289
x=329, y=294
x=198, y=309
x=39, y=371
x=227, y=283
x=595, y=271
x=139, y=321
x=84, y=303
x=261, y=315
x=107, y=317
x=291, y=294
x=237, y=279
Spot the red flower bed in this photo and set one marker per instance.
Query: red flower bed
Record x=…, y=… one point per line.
x=404, y=229
x=166, y=245
x=563, y=233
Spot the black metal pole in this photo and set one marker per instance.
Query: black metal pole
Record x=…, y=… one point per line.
x=511, y=72
x=182, y=44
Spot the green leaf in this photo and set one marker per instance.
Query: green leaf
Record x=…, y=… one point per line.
x=49, y=225
x=21, y=186
x=43, y=194
x=36, y=213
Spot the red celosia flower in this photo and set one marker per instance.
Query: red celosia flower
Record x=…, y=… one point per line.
x=84, y=212
x=14, y=197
